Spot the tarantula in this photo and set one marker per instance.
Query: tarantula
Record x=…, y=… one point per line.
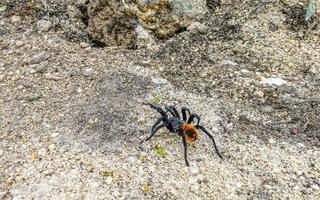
x=182, y=127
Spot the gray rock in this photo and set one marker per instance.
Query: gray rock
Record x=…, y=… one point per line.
x=272, y=141
x=197, y=27
x=15, y=19
x=274, y=81
x=40, y=57
x=44, y=25
x=1, y=77
x=229, y=63
x=162, y=18
x=109, y=180
x=84, y=45
x=87, y=72
x=144, y=38
x=52, y=77
x=159, y=81
x=194, y=170
x=315, y=69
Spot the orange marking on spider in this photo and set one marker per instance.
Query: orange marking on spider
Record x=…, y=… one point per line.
x=191, y=133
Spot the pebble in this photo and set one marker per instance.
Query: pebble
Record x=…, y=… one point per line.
x=299, y=173
x=131, y=159
x=315, y=187
x=40, y=57
x=300, y=145
x=296, y=188
x=44, y=25
x=245, y=72
x=204, y=73
x=32, y=71
x=86, y=72
x=194, y=170
x=52, y=77
x=2, y=195
x=228, y=63
x=197, y=27
x=1, y=77
x=15, y=19
x=274, y=81
x=259, y=93
x=19, y=43
x=159, y=81
x=41, y=68
x=84, y=45
x=109, y=180
x=315, y=69
x=272, y=141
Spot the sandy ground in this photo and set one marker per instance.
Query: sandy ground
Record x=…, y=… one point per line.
x=71, y=116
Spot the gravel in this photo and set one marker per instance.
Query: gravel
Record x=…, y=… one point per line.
x=71, y=128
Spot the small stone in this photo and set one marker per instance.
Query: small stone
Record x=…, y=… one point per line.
x=20, y=87
x=32, y=71
x=15, y=19
x=195, y=187
x=194, y=170
x=131, y=159
x=258, y=93
x=159, y=81
x=315, y=187
x=40, y=57
x=1, y=77
x=245, y=72
x=204, y=73
x=41, y=68
x=315, y=69
x=84, y=45
x=229, y=63
x=274, y=81
x=272, y=141
x=3, y=194
x=284, y=114
x=44, y=25
x=268, y=187
x=201, y=177
x=300, y=145
x=144, y=38
x=197, y=27
x=19, y=43
x=52, y=77
x=109, y=180
x=19, y=197
x=296, y=188
x=87, y=72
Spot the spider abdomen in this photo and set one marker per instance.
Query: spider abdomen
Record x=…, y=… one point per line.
x=191, y=133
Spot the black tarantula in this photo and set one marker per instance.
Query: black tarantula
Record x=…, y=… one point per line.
x=182, y=127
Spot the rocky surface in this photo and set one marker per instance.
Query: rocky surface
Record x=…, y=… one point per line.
x=139, y=22
x=71, y=114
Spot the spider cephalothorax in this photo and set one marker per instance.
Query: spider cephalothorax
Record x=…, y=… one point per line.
x=170, y=118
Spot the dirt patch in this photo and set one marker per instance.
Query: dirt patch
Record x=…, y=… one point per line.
x=109, y=124
x=71, y=114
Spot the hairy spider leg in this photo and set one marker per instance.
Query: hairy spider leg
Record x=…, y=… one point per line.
x=184, y=114
x=175, y=111
x=159, y=110
x=185, y=145
x=154, y=129
x=211, y=137
x=168, y=109
x=193, y=116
